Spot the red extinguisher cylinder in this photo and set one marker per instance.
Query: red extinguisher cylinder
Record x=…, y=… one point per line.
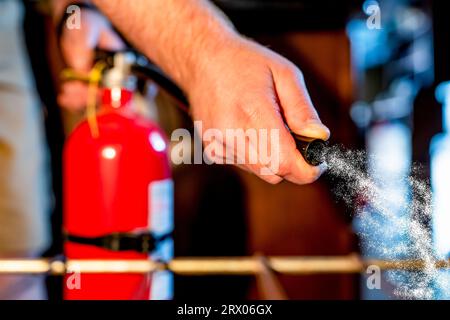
x=118, y=182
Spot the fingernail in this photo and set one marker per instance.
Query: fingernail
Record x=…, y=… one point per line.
x=315, y=129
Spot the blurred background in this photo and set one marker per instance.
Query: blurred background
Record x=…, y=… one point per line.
x=378, y=80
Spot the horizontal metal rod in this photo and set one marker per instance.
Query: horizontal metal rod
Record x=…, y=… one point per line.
x=301, y=265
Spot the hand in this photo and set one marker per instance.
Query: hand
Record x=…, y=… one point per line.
x=78, y=49
x=246, y=86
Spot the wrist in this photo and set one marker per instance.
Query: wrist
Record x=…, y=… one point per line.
x=209, y=46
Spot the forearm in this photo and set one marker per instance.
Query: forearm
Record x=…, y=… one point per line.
x=173, y=33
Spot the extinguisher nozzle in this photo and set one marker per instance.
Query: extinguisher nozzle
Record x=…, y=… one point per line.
x=314, y=151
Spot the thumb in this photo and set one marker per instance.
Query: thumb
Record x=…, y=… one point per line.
x=299, y=112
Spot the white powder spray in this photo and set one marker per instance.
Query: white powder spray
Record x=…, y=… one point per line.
x=391, y=223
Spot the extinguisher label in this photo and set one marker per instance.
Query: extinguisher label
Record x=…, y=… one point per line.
x=161, y=222
x=161, y=214
x=162, y=285
x=161, y=207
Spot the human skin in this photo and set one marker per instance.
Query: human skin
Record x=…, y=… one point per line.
x=231, y=82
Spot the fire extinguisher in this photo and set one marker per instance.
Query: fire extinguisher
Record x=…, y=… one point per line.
x=118, y=192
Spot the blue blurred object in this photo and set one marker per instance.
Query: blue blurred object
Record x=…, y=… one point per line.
x=440, y=183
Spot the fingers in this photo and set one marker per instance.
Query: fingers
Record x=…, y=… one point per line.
x=73, y=95
x=292, y=166
x=78, y=45
x=301, y=117
x=219, y=149
x=298, y=110
x=286, y=162
x=78, y=49
x=266, y=136
x=239, y=150
x=272, y=178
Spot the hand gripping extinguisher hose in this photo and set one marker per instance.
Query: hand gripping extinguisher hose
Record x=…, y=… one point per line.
x=314, y=151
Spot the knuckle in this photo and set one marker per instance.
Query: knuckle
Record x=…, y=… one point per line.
x=289, y=69
x=284, y=167
x=274, y=180
x=250, y=112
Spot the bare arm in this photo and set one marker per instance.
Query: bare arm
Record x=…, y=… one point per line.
x=175, y=34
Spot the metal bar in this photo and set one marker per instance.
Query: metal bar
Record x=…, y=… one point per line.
x=215, y=265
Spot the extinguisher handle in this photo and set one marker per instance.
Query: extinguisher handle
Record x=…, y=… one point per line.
x=145, y=69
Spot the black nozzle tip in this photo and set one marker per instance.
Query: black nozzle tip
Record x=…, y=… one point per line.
x=315, y=152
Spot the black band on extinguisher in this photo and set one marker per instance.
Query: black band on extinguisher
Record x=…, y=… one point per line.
x=143, y=242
